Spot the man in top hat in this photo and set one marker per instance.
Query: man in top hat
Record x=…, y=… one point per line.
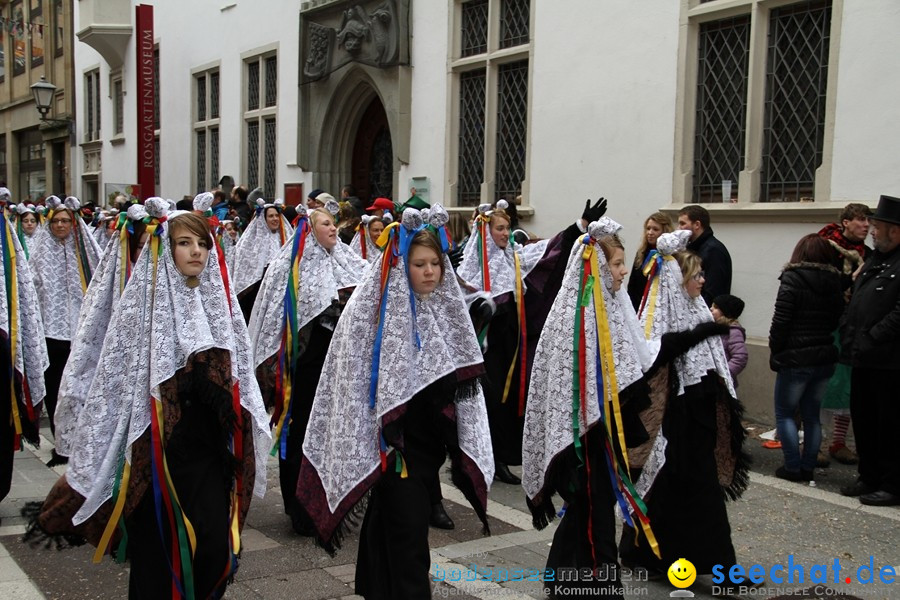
x=870, y=340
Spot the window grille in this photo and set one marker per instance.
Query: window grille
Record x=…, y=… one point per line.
x=720, y=130
x=796, y=81
x=253, y=154
x=471, y=136
x=512, y=112
x=514, y=21
x=474, y=27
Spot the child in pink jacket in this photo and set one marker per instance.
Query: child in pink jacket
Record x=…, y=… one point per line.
x=726, y=309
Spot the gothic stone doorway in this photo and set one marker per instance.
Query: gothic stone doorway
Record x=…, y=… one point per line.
x=373, y=155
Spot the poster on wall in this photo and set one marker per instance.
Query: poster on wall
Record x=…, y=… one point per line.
x=131, y=191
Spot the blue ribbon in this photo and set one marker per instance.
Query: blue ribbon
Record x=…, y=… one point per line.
x=653, y=256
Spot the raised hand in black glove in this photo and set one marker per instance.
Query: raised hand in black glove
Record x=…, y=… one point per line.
x=593, y=213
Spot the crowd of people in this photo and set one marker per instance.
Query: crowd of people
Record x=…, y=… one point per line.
x=177, y=345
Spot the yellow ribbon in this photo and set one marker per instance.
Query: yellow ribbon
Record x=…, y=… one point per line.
x=116, y=514
x=519, y=300
x=651, y=301
x=386, y=235
x=13, y=298
x=611, y=386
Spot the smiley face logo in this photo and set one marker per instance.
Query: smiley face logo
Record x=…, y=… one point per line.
x=682, y=573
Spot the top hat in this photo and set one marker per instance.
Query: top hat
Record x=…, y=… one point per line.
x=888, y=210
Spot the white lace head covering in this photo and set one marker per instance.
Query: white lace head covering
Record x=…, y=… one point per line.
x=227, y=243
x=362, y=242
x=258, y=246
x=321, y=274
x=21, y=325
x=422, y=339
x=548, y=418
x=99, y=304
x=501, y=262
x=63, y=270
x=153, y=332
x=674, y=310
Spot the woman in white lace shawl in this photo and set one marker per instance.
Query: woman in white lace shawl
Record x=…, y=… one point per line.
x=300, y=300
x=23, y=355
x=523, y=281
x=26, y=225
x=63, y=261
x=367, y=232
x=401, y=389
x=172, y=440
x=694, y=457
x=576, y=435
x=107, y=285
x=266, y=234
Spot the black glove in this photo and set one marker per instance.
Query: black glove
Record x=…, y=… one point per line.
x=676, y=343
x=593, y=213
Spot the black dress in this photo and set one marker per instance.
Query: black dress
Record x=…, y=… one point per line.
x=394, y=559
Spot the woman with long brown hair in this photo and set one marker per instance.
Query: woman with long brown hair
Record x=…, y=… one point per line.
x=655, y=225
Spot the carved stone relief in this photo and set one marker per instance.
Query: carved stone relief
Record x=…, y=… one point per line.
x=337, y=33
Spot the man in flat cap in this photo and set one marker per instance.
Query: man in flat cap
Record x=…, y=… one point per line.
x=870, y=339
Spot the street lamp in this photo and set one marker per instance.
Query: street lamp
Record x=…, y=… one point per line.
x=43, y=92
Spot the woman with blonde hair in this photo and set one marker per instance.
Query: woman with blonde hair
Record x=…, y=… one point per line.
x=301, y=298
x=655, y=225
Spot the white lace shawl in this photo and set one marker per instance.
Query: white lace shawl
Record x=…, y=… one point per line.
x=501, y=264
x=102, y=233
x=31, y=349
x=152, y=333
x=57, y=280
x=675, y=310
x=255, y=249
x=548, y=414
x=229, y=249
x=373, y=253
x=342, y=438
x=322, y=274
x=99, y=304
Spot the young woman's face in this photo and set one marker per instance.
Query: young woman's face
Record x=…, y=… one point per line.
x=190, y=252
x=500, y=232
x=29, y=223
x=695, y=284
x=325, y=230
x=61, y=224
x=617, y=268
x=273, y=219
x=230, y=230
x=652, y=230
x=425, y=269
x=375, y=229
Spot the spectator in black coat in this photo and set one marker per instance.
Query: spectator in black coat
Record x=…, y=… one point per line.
x=713, y=253
x=870, y=344
x=807, y=309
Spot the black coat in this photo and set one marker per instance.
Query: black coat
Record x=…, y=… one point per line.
x=807, y=311
x=870, y=331
x=716, y=265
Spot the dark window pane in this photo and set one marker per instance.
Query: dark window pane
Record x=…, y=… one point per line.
x=269, y=165
x=89, y=95
x=471, y=136
x=119, y=99
x=156, y=163
x=253, y=85
x=512, y=112
x=796, y=80
x=214, y=95
x=201, y=161
x=213, y=158
x=271, y=80
x=252, y=154
x=720, y=130
x=474, y=27
x=514, y=20
x=201, y=97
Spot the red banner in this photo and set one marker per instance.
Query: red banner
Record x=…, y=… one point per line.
x=146, y=94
